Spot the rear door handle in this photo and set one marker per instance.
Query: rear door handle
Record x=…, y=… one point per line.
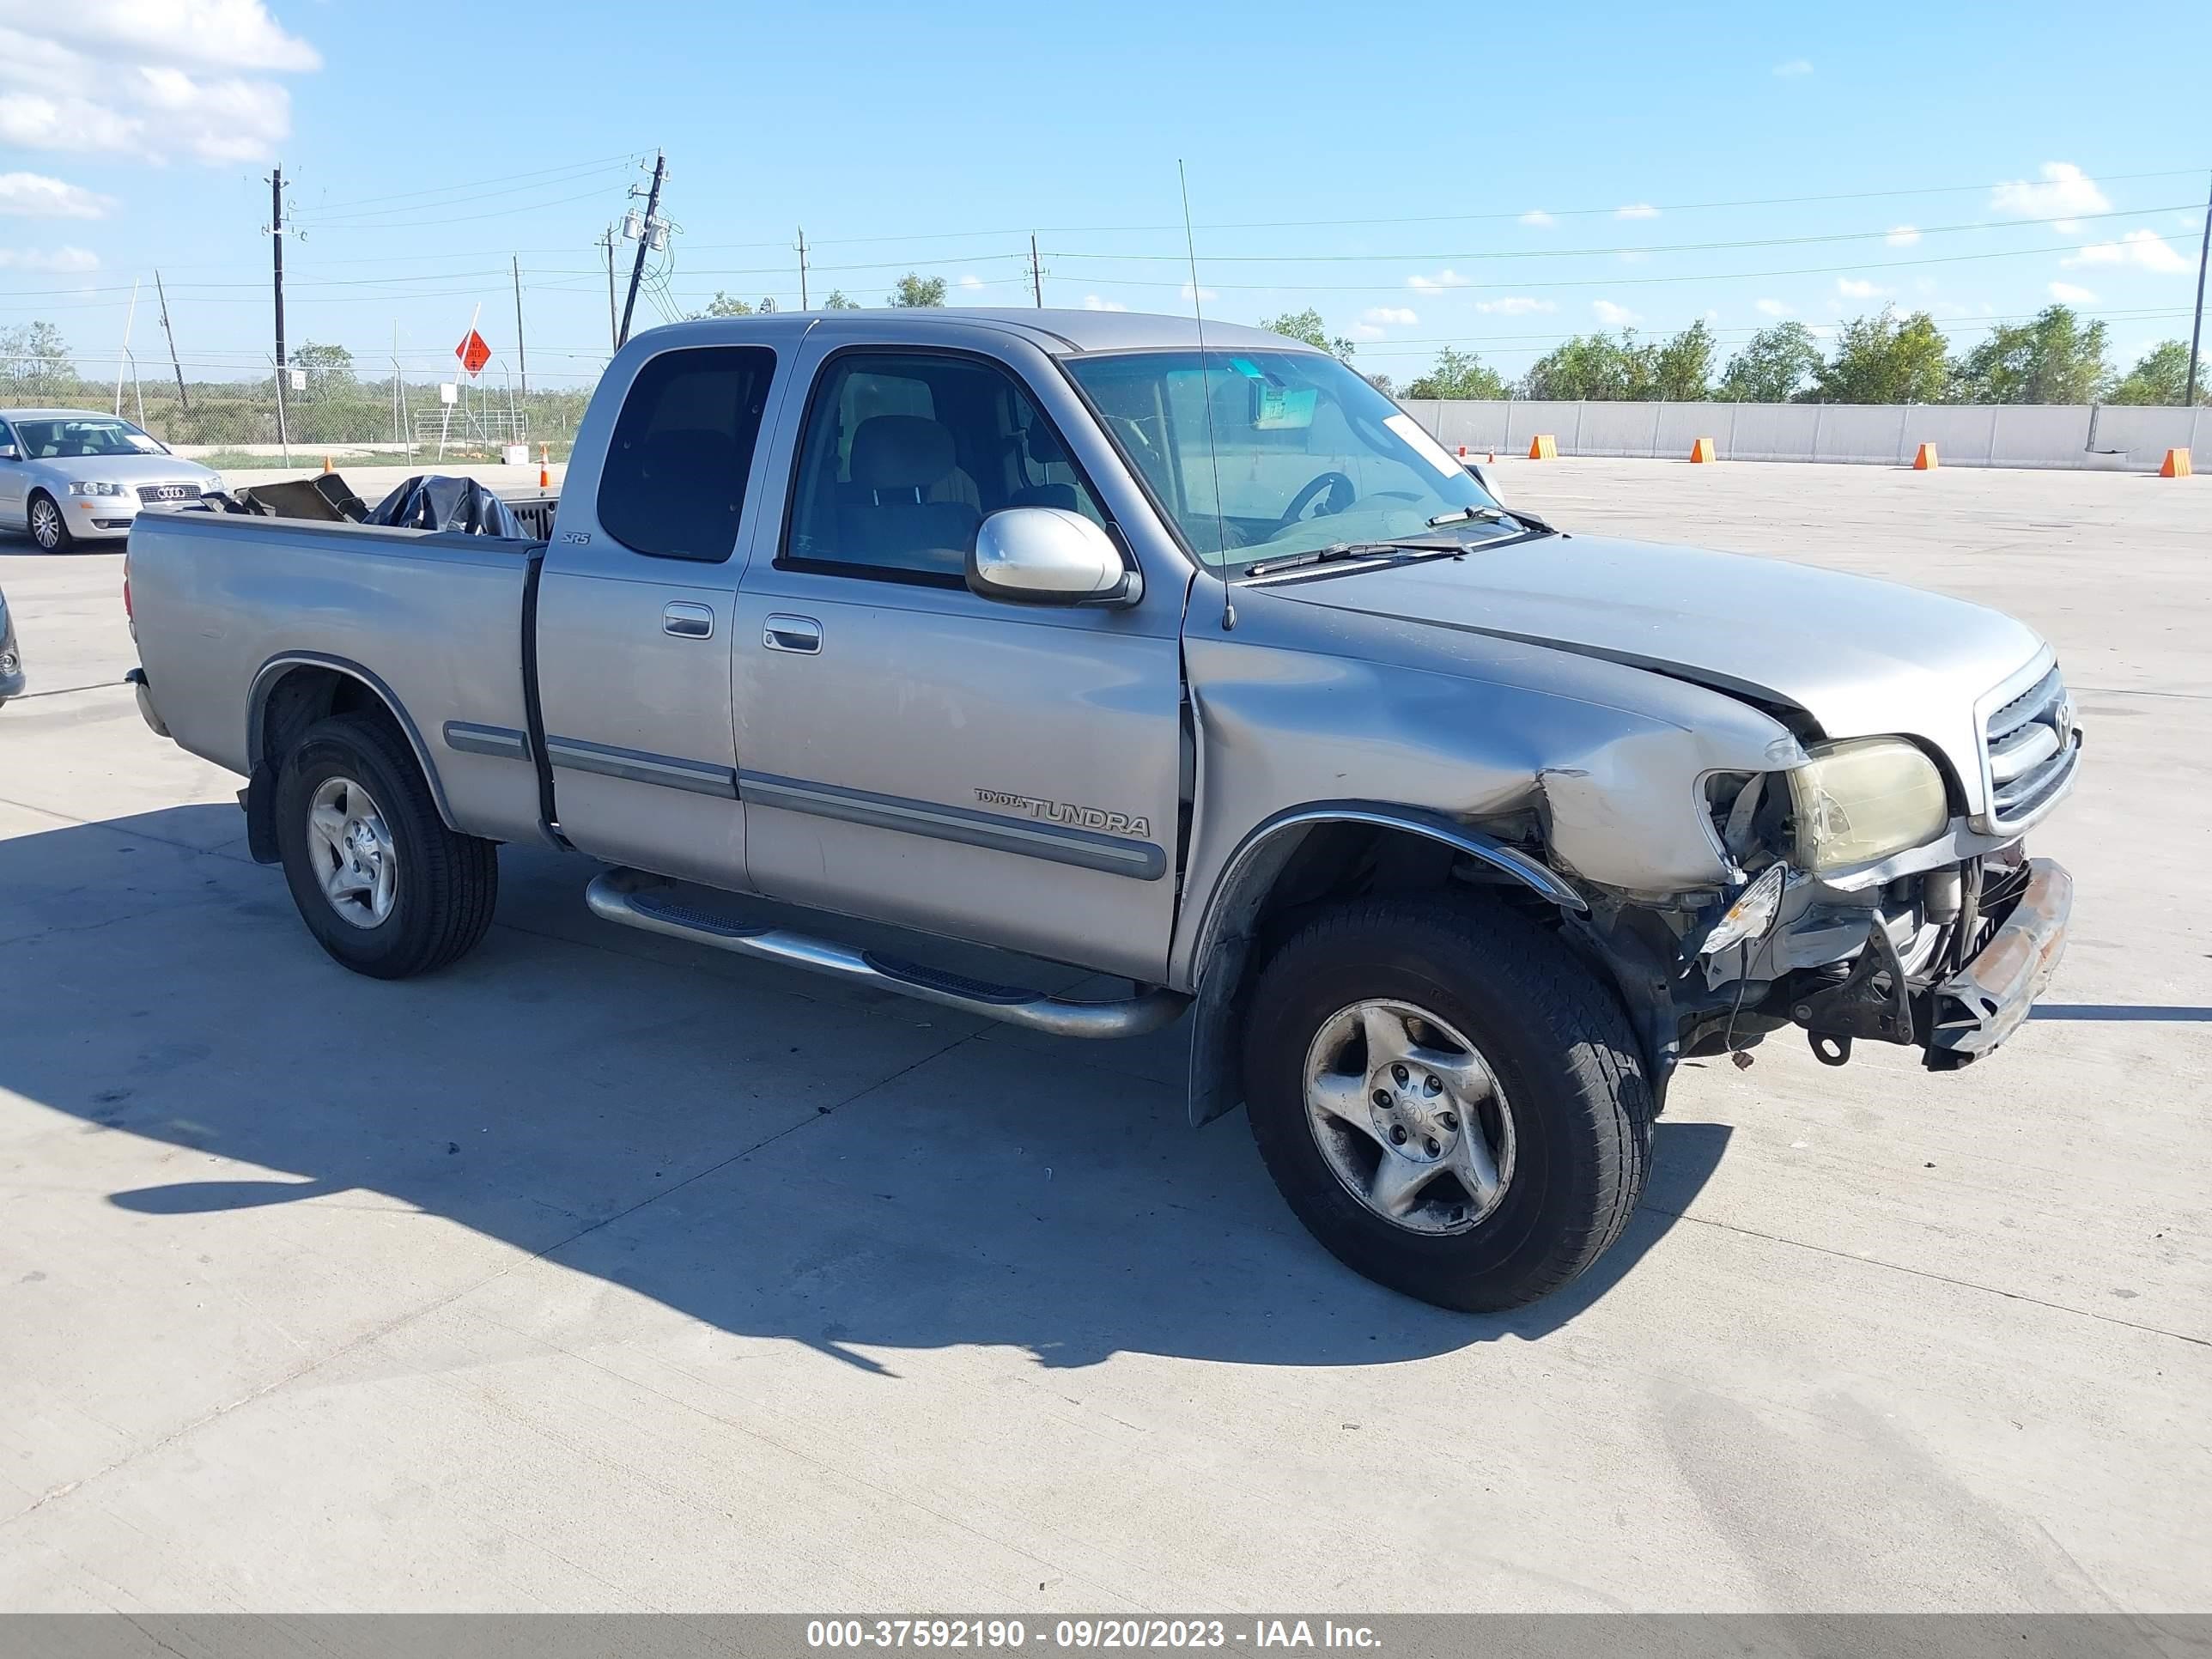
x=687, y=620
x=799, y=634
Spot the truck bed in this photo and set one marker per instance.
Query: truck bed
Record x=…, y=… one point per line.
x=225, y=603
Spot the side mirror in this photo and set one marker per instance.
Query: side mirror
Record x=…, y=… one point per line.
x=10, y=453
x=1049, y=555
x=1475, y=472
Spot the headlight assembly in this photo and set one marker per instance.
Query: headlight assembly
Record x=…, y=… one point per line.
x=98, y=486
x=1859, y=801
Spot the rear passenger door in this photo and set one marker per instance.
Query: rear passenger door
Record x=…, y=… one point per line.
x=635, y=616
x=912, y=752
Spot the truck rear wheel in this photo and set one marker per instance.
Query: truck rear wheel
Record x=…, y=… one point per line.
x=382, y=884
x=1448, y=1098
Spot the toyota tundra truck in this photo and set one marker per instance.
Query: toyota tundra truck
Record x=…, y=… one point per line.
x=1180, y=655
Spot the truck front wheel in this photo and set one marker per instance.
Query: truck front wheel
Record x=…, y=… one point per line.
x=382, y=884
x=1449, y=1099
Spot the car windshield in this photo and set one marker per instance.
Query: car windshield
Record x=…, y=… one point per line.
x=1302, y=454
x=74, y=437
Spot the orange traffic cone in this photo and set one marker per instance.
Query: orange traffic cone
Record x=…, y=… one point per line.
x=2177, y=464
x=1924, y=459
x=544, y=479
x=1543, y=448
x=1702, y=450
x=326, y=463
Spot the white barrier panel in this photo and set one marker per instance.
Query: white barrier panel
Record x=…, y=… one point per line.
x=2093, y=437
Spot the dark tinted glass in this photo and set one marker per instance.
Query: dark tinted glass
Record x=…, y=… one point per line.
x=675, y=475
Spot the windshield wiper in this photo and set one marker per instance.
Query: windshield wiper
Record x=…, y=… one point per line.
x=1349, y=551
x=1493, y=514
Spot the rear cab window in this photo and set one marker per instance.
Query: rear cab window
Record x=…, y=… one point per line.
x=673, y=485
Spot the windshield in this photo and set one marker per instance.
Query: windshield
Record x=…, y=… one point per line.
x=1307, y=453
x=76, y=437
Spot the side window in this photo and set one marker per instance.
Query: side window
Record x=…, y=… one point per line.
x=905, y=455
x=675, y=476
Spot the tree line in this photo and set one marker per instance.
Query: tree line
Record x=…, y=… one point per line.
x=2055, y=357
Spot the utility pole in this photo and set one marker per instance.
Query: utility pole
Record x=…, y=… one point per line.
x=2196, y=327
x=802, y=267
x=1036, y=277
x=607, y=241
x=644, y=241
x=521, y=357
x=277, y=243
x=184, y=402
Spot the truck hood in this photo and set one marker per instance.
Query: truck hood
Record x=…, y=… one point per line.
x=1862, y=658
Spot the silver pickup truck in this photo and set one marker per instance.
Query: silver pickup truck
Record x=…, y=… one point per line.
x=1200, y=665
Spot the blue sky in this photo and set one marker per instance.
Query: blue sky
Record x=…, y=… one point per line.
x=1493, y=178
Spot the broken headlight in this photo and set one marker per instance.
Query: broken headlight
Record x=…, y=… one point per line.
x=1856, y=802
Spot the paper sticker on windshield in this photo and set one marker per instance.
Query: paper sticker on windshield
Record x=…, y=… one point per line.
x=1428, y=448
x=1282, y=408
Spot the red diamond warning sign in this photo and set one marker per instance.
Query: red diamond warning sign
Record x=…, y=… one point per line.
x=473, y=353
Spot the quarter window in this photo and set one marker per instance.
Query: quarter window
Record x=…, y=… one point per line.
x=905, y=455
x=674, y=482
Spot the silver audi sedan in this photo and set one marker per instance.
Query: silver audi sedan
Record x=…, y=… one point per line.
x=71, y=475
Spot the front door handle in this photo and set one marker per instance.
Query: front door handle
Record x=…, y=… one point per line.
x=687, y=620
x=799, y=634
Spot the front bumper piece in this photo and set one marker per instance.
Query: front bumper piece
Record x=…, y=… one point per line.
x=1984, y=1002
x=1964, y=1016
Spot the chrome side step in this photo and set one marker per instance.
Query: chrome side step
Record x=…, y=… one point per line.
x=636, y=899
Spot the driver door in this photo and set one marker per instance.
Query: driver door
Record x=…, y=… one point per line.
x=912, y=752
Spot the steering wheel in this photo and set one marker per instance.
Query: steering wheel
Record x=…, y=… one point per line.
x=1342, y=491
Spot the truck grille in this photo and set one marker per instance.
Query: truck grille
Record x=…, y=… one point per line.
x=169, y=492
x=2032, y=751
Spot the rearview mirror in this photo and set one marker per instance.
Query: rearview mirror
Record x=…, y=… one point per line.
x=1048, y=555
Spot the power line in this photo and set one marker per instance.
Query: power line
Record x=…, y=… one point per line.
x=1471, y=255
x=602, y=162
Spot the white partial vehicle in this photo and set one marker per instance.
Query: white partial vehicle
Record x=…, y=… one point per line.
x=73, y=475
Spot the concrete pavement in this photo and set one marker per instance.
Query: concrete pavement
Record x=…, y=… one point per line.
x=601, y=1273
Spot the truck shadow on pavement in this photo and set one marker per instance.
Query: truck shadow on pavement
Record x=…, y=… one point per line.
x=773, y=1155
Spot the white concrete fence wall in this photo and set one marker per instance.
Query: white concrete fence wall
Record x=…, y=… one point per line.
x=2102, y=437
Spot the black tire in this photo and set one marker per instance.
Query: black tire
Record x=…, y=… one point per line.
x=447, y=884
x=1556, y=1043
x=63, y=538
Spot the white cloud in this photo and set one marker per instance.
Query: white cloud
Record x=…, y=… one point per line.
x=1437, y=284
x=1513, y=305
x=1855, y=288
x=1903, y=235
x=1366, y=331
x=1092, y=302
x=971, y=281
x=1771, y=308
x=2071, y=294
x=2063, y=191
x=1637, y=210
x=1613, y=316
x=1398, y=316
x=1633, y=255
x=157, y=80
x=35, y=196
x=1536, y=218
x=2146, y=248
x=1200, y=295
x=61, y=261
x=1793, y=68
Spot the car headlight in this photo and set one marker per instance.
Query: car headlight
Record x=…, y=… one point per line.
x=98, y=486
x=1859, y=801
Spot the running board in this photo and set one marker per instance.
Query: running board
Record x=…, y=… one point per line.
x=638, y=900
